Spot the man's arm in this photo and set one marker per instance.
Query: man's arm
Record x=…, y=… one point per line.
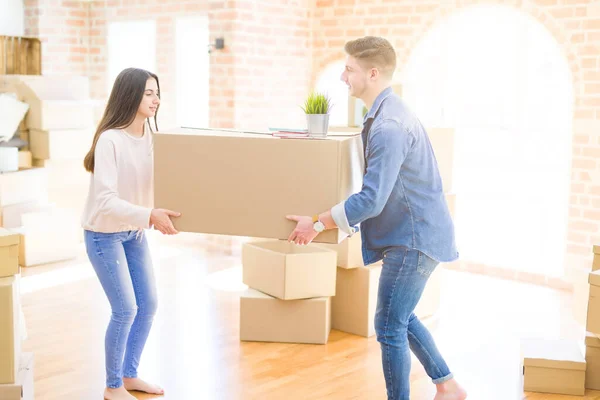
x=390, y=144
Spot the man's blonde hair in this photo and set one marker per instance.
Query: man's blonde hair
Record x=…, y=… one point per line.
x=373, y=52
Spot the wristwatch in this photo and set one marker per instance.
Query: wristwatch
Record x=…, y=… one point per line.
x=318, y=226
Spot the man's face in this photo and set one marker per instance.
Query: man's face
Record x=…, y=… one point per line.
x=356, y=77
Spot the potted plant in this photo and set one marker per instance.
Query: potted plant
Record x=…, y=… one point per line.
x=317, y=107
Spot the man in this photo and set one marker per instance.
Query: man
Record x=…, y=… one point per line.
x=403, y=217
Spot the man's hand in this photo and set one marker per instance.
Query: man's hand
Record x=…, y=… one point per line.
x=304, y=232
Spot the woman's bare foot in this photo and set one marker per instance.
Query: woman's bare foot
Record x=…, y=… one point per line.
x=450, y=390
x=141, y=386
x=119, y=393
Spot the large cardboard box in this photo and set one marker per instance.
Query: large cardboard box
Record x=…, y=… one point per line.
x=48, y=236
x=353, y=307
x=553, y=366
x=592, y=360
x=288, y=271
x=244, y=184
x=10, y=338
x=593, y=311
x=9, y=253
x=22, y=389
x=442, y=141
x=349, y=251
x=23, y=186
x=266, y=319
x=61, y=144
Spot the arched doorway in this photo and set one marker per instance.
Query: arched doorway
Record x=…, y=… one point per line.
x=499, y=78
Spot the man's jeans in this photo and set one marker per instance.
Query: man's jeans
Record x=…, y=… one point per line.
x=403, y=277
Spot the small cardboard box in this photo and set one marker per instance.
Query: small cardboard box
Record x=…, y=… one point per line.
x=593, y=311
x=23, y=186
x=245, y=184
x=288, y=271
x=10, y=337
x=22, y=389
x=266, y=319
x=592, y=359
x=349, y=251
x=353, y=307
x=9, y=253
x=553, y=366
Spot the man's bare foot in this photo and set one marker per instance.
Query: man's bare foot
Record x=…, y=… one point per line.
x=119, y=393
x=141, y=386
x=450, y=390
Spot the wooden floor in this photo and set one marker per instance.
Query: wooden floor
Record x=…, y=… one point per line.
x=194, y=350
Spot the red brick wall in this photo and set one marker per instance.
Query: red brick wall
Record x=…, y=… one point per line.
x=63, y=29
x=259, y=79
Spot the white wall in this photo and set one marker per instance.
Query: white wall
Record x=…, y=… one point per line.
x=12, y=18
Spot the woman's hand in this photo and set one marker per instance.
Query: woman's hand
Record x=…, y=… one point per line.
x=160, y=218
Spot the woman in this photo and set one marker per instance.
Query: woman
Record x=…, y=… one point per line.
x=118, y=209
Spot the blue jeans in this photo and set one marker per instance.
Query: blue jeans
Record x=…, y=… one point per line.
x=403, y=277
x=124, y=267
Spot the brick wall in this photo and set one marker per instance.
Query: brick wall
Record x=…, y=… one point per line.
x=63, y=28
x=258, y=80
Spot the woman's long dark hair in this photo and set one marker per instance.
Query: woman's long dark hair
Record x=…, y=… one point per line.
x=123, y=104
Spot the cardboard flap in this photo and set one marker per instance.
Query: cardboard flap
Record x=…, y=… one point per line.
x=552, y=353
x=596, y=249
x=592, y=340
x=8, y=238
x=594, y=278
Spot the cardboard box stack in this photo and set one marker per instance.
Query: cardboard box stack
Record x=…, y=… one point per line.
x=59, y=127
x=560, y=366
x=16, y=368
x=289, y=295
x=44, y=198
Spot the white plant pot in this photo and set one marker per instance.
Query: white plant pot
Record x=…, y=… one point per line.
x=317, y=124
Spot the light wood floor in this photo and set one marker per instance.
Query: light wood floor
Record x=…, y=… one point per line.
x=194, y=350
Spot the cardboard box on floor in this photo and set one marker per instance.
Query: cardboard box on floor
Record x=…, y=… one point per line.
x=22, y=186
x=245, y=184
x=353, y=307
x=266, y=319
x=593, y=310
x=553, y=366
x=10, y=337
x=23, y=388
x=592, y=359
x=442, y=141
x=9, y=253
x=288, y=271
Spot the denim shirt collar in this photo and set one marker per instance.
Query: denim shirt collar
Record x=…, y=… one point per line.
x=377, y=103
